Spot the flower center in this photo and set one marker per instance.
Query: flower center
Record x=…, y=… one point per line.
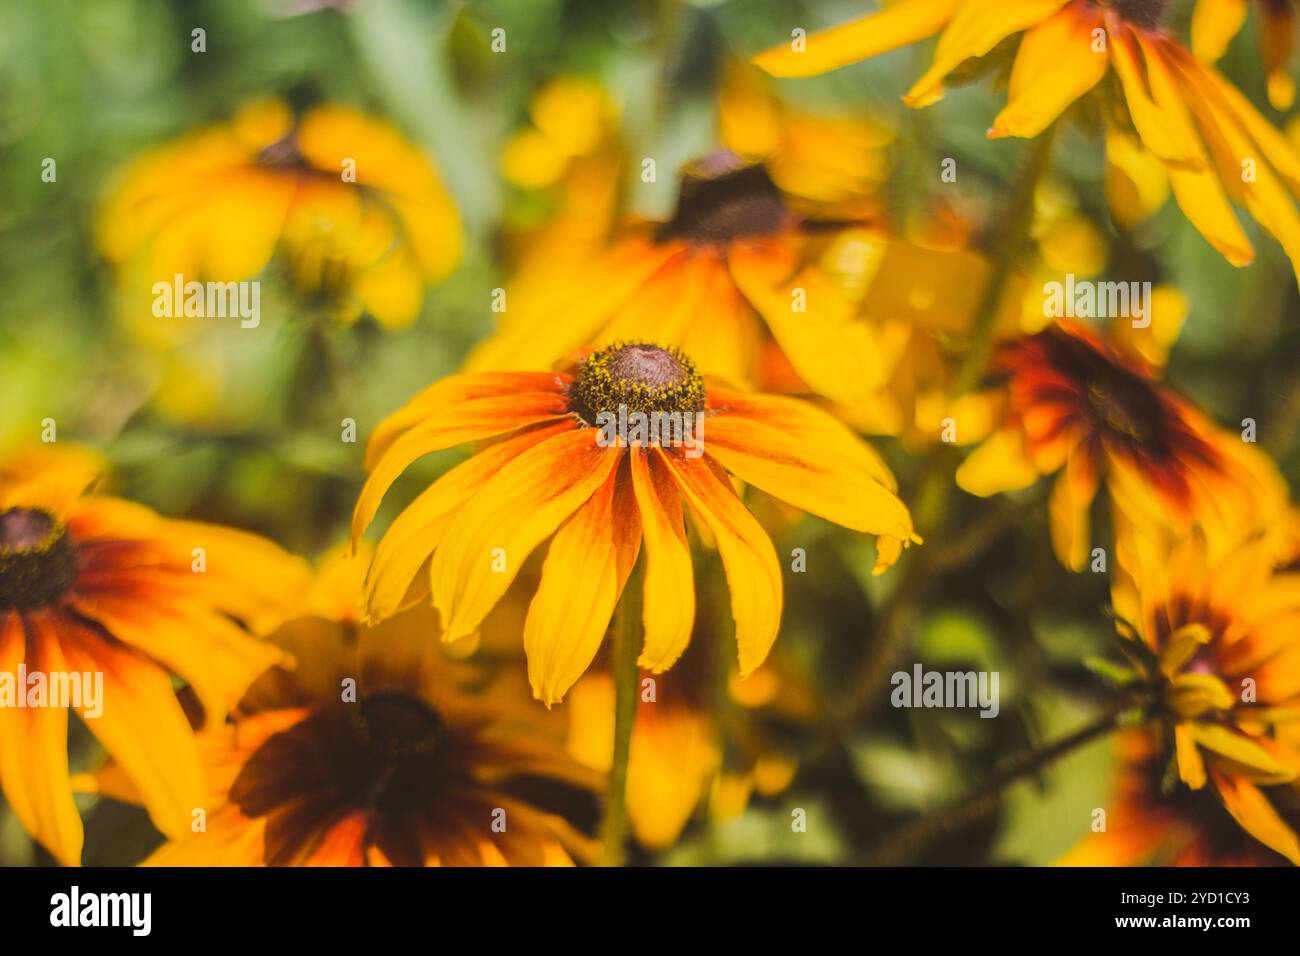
x=397, y=726
x=37, y=560
x=1141, y=13
x=636, y=377
x=722, y=198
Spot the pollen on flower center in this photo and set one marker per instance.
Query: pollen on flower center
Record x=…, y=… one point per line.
x=37, y=560
x=637, y=377
x=1141, y=13
x=722, y=198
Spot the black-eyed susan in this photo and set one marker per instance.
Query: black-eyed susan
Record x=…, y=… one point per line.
x=1076, y=406
x=373, y=751
x=736, y=266
x=1216, y=22
x=1213, y=641
x=359, y=213
x=1217, y=148
x=556, y=472
x=1150, y=822
x=91, y=584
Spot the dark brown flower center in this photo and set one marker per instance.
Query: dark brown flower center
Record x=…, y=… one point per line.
x=397, y=726
x=636, y=377
x=37, y=560
x=1141, y=13
x=722, y=198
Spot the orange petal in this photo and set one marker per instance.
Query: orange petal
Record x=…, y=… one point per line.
x=748, y=557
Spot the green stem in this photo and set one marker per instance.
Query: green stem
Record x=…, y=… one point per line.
x=917, y=836
x=623, y=669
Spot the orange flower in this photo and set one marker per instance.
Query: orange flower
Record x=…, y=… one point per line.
x=359, y=213
x=1076, y=406
x=93, y=585
x=1216, y=146
x=370, y=752
x=557, y=472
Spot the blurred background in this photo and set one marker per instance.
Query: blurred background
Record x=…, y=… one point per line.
x=243, y=426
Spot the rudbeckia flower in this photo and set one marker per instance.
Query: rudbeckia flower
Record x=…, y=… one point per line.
x=555, y=473
x=1214, y=642
x=738, y=262
x=1217, y=147
x=95, y=585
x=1148, y=823
x=1077, y=407
x=360, y=215
x=372, y=751
x=1216, y=22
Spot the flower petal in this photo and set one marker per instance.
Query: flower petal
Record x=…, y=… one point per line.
x=1250, y=808
x=977, y=27
x=415, y=533
x=586, y=566
x=898, y=24
x=668, y=570
x=1055, y=66
x=753, y=573
x=512, y=514
x=34, y=744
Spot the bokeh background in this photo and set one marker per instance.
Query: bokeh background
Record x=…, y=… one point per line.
x=242, y=427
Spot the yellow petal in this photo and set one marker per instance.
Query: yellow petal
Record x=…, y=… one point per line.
x=1250, y=808
x=1214, y=24
x=898, y=24
x=1056, y=65
x=753, y=573
x=586, y=567
x=977, y=27
x=668, y=570
x=513, y=513
x=1001, y=463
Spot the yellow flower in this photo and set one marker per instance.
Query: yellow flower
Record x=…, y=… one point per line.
x=553, y=473
x=1074, y=405
x=95, y=585
x=1214, y=639
x=1216, y=146
x=359, y=213
x=1216, y=22
x=735, y=263
x=370, y=751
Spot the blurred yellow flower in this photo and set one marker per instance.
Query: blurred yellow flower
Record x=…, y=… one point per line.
x=359, y=214
x=557, y=472
x=736, y=266
x=1216, y=22
x=95, y=585
x=1216, y=147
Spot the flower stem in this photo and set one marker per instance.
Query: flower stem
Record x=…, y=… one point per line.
x=914, y=838
x=623, y=669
